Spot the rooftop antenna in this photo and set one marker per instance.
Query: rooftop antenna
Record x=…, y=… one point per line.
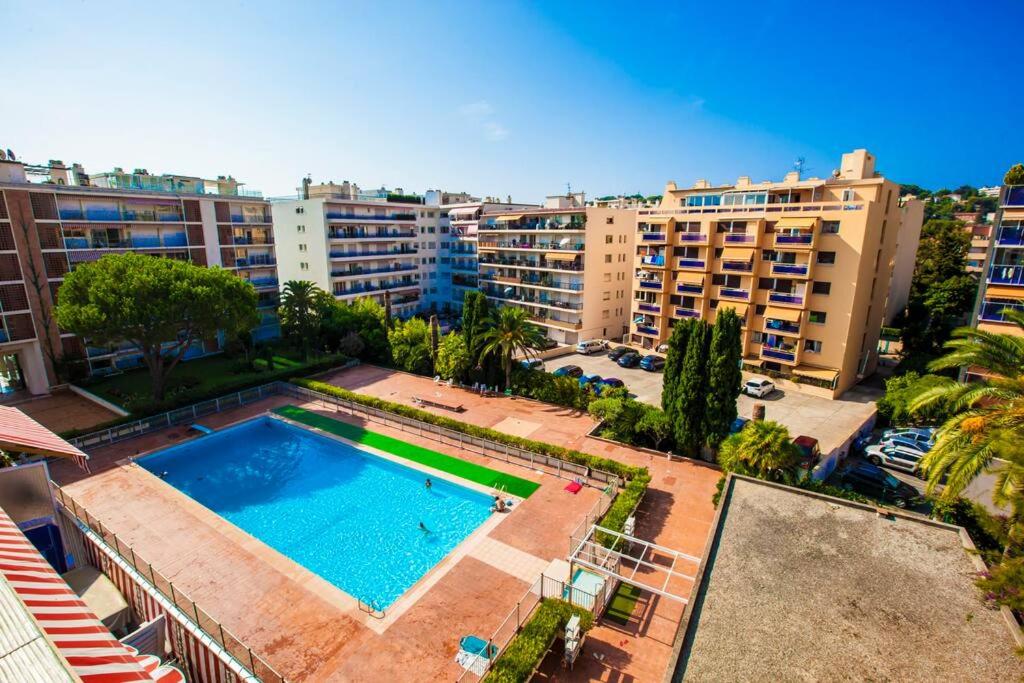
x=800, y=166
x=568, y=189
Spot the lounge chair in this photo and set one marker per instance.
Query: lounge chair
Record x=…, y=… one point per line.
x=478, y=646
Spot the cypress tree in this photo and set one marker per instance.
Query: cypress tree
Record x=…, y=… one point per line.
x=724, y=376
x=688, y=421
x=674, y=364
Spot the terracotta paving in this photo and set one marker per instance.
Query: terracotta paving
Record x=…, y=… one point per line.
x=63, y=411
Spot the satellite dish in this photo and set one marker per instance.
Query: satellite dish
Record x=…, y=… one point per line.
x=564, y=241
x=10, y=155
x=3, y=155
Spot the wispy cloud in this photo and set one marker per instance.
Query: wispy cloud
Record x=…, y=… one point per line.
x=481, y=115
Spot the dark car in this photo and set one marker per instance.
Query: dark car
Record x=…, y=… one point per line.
x=629, y=360
x=589, y=379
x=874, y=482
x=613, y=382
x=738, y=424
x=652, y=363
x=532, y=364
x=568, y=371
x=618, y=352
x=548, y=343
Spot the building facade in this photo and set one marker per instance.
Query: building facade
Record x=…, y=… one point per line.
x=49, y=228
x=353, y=244
x=807, y=265
x=1002, y=286
x=544, y=259
x=979, y=227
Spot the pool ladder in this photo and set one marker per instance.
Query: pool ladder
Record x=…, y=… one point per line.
x=371, y=608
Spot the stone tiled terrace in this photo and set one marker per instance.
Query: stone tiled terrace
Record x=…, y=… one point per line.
x=310, y=630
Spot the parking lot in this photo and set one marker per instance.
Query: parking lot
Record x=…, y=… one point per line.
x=829, y=421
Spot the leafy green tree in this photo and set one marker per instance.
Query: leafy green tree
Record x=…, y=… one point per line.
x=900, y=392
x=509, y=333
x=762, y=449
x=410, y=346
x=724, y=376
x=654, y=426
x=453, y=358
x=159, y=305
x=364, y=318
x=673, y=370
x=302, y=310
x=1015, y=175
x=620, y=416
x=691, y=388
x=435, y=337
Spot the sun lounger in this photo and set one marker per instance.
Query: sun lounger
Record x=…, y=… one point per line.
x=201, y=429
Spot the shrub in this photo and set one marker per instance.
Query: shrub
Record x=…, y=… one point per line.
x=986, y=530
x=525, y=653
x=622, y=507
x=543, y=386
x=893, y=408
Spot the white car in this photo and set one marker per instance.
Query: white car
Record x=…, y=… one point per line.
x=897, y=457
x=592, y=346
x=759, y=387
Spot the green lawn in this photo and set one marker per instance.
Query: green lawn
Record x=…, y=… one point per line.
x=424, y=456
x=623, y=603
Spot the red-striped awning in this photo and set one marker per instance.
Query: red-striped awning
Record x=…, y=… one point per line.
x=88, y=647
x=19, y=433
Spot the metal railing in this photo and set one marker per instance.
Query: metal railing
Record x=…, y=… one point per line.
x=198, y=617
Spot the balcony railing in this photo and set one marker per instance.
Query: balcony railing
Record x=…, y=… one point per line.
x=250, y=218
x=739, y=238
x=543, y=246
x=651, y=284
x=369, y=289
x=464, y=267
x=341, y=216
x=553, y=284
x=381, y=252
x=1014, y=196
x=790, y=269
x=797, y=238
x=361, y=235
x=658, y=260
x=741, y=266
x=647, y=329
x=776, y=353
x=1006, y=275
x=691, y=263
x=118, y=215
x=786, y=298
x=689, y=288
x=773, y=325
x=370, y=271
x=255, y=262
x=650, y=308
x=261, y=282
x=1010, y=237
x=557, y=322
x=531, y=225
x=995, y=311
x=687, y=312
x=653, y=236
x=734, y=293
x=693, y=237
x=540, y=301
x=245, y=240
x=523, y=263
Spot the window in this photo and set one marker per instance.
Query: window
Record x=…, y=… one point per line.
x=830, y=227
x=607, y=277
x=299, y=209
x=605, y=314
x=300, y=228
x=303, y=266
x=821, y=288
x=605, y=296
x=827, y=257
x=610, y=220
x=817, y=317
x=607, y=258
x=812, y=345
x=756, y=337
x=302, y=247
x=849, y=195
x=607, y=239
x=760, y=309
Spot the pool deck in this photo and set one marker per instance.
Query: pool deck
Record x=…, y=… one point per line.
x=310, y=630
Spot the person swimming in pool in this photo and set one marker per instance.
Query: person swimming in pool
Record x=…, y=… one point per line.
x=423, y=528
x=428, y=483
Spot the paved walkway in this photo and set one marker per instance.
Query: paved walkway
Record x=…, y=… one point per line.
x=676, y=513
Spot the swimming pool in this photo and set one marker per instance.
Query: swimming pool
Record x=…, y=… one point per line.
x=341, y=512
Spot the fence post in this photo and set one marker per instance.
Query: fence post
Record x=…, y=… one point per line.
x=222, y=641
x=194, y=413
x=252, y=664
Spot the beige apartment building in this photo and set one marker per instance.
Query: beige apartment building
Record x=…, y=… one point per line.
x=1002, y=287
x=807, y=264
x=569, y=265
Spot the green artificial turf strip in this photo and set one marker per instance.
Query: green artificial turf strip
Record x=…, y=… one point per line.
x=479, y=474
x=623, y=603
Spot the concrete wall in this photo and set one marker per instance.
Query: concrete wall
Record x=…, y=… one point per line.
x=907, y=240
x=607, y=286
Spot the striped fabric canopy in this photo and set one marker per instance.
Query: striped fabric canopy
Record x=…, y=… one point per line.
x=19, y=433
x=88, y=647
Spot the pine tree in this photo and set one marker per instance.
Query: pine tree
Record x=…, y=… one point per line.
x=724, y=377
x=674, y=364
x=688, y=420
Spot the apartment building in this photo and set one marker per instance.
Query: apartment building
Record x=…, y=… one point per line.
x=1002, y=287
x=807, y=264
x=543, y=259
x=353, y=244
x=908, y=238
x=979, y=227
x=49, y=227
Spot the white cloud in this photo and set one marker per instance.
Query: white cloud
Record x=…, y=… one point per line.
x=480, y=114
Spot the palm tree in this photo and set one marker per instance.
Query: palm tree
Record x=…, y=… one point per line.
x=987, y=414
x=302, y=308
x=510, y=333
x=761, y=449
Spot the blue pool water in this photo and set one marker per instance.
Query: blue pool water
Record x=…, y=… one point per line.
x=343, y=513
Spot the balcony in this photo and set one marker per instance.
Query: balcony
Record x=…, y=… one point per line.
x=995, y=311
x=361, y=235
x=793, y=239
x=738, y=266
x=781, y=326
x=648, y=307
x=687, y=312
x=464, y=267
x=656, y=285
x=653, y=237
x=1010, y=237
x=357, y=272
x=740, y=238
x=1014, y=196
x=655, y=260
x=370, y=254
x=787, y=355
x=549, y=283
x=246, y=240
x=692, y=263
x=690, y=288
x=255, y=262
x=693, y=238
x=511, y=226
x=263, y=282
x=250, y=218
x=556, y=322
x=791, y=269
x=647, y=329
x=1006, y=275
x=540, y=246
x=734, y=293
x=789, y=298
x=342, y=216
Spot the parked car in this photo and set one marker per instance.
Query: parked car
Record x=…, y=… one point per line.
x=589, y=379
x=548, y=343
x=758, y=387
x=592, y=346
x=613, y=382
x=532, y=363
x=738, y=424
x=617, y=352
x=871, y=480
x=652, y=363
x=896, y=457
x=810, y=453
x=900, y=442
x=924, y=436
x=568, y=371
x=662, y=348
x=629, y=360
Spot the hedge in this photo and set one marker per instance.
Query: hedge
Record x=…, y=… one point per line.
x=221, y=390
x=526, y=651
x=625, y=502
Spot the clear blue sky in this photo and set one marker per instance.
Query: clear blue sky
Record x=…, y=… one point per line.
x=504, y=98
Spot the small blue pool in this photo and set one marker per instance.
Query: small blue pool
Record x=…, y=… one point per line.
x=341, y=512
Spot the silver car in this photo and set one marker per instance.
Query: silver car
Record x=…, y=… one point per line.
x=898, y=457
